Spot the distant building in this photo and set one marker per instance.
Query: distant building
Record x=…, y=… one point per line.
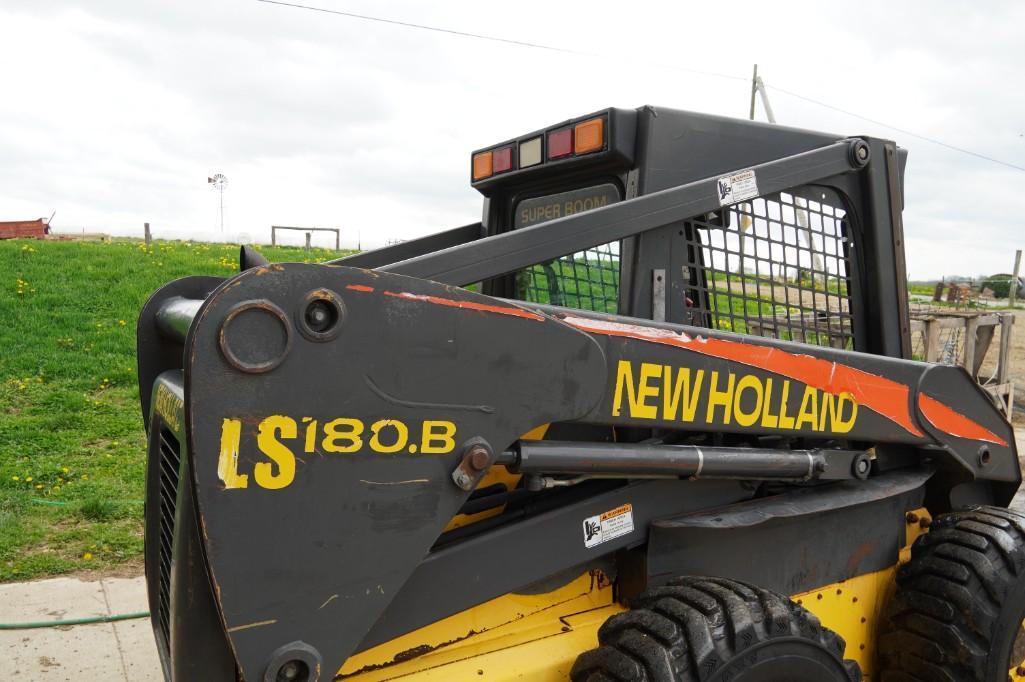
x=24, y=229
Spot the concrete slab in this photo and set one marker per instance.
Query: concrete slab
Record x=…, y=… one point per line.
x=52, y=599
x=82, y=653
x=134, y=637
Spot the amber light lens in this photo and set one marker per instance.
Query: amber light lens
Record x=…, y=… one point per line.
x=483, y=166
x=589, y=136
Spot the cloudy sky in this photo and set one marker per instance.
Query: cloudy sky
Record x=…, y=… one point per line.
x=115, y=112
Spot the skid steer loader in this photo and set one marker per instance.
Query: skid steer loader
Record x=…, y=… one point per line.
x=654, y=417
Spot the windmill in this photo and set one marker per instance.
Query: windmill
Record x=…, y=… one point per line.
x=219, y=182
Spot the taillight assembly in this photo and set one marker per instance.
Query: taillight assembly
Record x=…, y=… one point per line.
x=581, y=138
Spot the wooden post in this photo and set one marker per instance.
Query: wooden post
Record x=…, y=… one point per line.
x=1014, y=279
x=308, y=234
x=149, y=236
x=338, y=240
x=273, y=236
x=971, y=327
x=932, y=340
x=1006, y=326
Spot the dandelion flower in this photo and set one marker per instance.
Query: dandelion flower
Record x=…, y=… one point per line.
x=87, y=556
x=28, y=479
x=15, y=478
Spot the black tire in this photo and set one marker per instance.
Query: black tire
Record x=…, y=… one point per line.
x=714, y=630
x=957, y=613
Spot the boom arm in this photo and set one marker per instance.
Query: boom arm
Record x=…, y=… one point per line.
x=326, y=458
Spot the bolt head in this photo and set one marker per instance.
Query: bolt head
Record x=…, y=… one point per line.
x=862, y=152
x=479, y=459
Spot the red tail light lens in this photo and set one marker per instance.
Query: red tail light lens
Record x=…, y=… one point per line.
x=502, y=159
x=560, y=143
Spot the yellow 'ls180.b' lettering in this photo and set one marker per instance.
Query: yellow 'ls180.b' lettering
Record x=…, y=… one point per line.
x=278, y=438
x=681, y=394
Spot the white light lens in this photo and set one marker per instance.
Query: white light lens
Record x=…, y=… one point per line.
x=530, y=152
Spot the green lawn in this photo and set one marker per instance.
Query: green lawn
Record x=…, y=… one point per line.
x=72, y=453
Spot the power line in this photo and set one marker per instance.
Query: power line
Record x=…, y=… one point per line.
x=903, y=131
x=408, y=24
x=563, y=50
x=480, y=36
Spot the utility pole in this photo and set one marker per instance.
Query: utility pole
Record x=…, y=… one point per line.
x=800, y=204
x=1013, y=293
x=758, y=88
x=754, y=91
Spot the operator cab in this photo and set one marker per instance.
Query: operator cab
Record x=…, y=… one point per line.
x=786, y=265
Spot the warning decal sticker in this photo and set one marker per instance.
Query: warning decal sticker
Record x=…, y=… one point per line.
x=608, y=526
x=737, y=187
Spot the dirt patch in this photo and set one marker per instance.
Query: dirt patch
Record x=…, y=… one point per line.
x=132, y=568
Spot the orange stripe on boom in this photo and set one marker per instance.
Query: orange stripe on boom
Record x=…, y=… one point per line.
x=955, y=423
x=884, y=396
x=468, y=305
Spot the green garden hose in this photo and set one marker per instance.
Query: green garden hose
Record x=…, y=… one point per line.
x=30, y=625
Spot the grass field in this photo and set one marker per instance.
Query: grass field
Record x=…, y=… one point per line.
x=72, y=453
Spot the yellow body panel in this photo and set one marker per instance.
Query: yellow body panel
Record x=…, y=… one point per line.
x=538, y=637
x=853, y=608
x=515, y=636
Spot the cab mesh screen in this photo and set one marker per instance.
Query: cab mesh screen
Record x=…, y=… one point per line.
x=587, y=280
x=777, y=266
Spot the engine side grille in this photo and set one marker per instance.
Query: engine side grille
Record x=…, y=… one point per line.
x=170, y=461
